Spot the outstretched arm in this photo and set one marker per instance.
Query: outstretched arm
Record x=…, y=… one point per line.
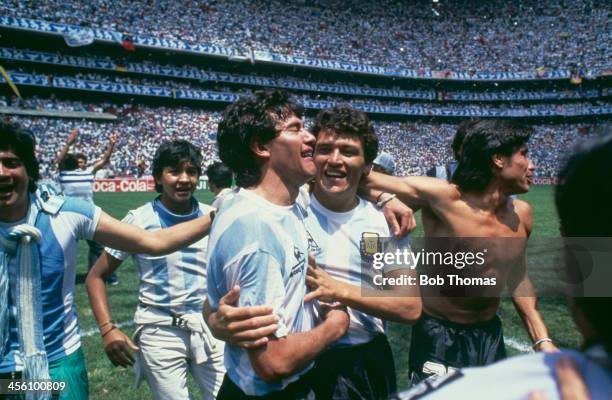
x=118, y=347
x=121, y=236
x=414, y=191
x=107, y=153
x=69, y=142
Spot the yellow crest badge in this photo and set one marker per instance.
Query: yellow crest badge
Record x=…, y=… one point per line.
x=370, y=244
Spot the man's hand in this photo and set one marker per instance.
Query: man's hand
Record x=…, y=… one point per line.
x=119, y=348
x=321, y=284
x=400, y=218
x=113, y=139
x=72, y=137
x=246, y=327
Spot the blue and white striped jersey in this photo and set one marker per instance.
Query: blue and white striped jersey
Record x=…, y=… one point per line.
x=77, y=183
x=336, y=241
x=175, y=282
x=58, y=246
x=263, y=248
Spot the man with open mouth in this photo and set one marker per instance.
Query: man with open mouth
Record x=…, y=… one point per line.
x=172, y=288
x=39, y=331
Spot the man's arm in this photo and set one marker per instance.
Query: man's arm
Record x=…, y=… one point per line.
x=118, y=235
x=117, y=345
x=400, y=305
x=414, y=191
x=259, y=276
x=283, y=357
x=399, y=216
x=523, y=292
x=107, y=153
x=69, y=142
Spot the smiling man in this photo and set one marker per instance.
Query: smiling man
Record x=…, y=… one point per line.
x=360, y=364
x=260, y=243
x=39, y=330
x=458, y=330
x=172, y=288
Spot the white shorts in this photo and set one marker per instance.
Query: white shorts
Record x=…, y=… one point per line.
x=165, y=357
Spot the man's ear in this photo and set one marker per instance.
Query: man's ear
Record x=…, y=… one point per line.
x=260, y=150
x=498, y=160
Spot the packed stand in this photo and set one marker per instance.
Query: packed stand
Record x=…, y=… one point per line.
x=415, y=146
x=451, y=35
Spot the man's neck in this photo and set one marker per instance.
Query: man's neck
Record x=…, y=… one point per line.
x=336, y=202
x=491, y=199
x=276, y=191
x=178, y=208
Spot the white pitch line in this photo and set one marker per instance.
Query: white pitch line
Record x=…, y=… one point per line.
x=518, y=345
x=95, y=331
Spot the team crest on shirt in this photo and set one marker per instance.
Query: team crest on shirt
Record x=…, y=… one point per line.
x=370, y=244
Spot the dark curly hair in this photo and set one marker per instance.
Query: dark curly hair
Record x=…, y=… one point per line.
x=219, y=175
x=457, y=144
x=345, y=120
x=172, y=154
x=251, y=118
x=21, y=142
x=69, y=163
x=483, y=139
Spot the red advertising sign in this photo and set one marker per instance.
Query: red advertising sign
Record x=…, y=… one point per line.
x=147, y=184
x=124, y=185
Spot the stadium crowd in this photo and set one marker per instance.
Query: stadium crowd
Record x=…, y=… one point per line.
x=451, y=35
x=148, y=86
x=415, y=146
x=317, y=84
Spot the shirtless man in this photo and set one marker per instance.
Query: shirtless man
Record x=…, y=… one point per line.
x=456, y=332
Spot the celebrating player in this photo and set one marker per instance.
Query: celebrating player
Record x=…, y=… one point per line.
x=172, y=289
x=360, y=364
x=465, y=331
x=39, y=332
x=259, y=242
x=76, y=180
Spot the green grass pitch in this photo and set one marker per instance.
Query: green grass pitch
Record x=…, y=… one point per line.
x=107, y=381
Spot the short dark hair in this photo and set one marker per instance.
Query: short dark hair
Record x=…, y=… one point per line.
x=251, y=118
x=172, y=154
x=582, y=197
x=219, y=174
x=346, y=120
x=21, y=142
x=69, y=163
x=80, y=156
x=483, y=139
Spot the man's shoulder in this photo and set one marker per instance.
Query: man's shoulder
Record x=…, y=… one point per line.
x=522, y=207
x=524, y=212
x=144, y=212
x=76, y=205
